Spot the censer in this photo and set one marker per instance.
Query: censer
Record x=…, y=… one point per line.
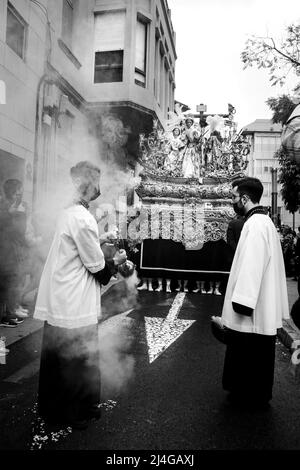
x=120, y=295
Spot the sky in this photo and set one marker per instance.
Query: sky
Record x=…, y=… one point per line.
x=210, y=36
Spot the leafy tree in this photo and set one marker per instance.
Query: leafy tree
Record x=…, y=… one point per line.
x=279, y=59
x=282, y=107
x=289, y=178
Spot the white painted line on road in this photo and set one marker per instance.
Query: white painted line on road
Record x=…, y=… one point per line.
x=161, y=333
x=25, y=372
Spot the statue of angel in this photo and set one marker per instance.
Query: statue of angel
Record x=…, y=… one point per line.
x=176, y=118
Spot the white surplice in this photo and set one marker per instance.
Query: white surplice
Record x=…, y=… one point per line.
x=257, y=280
x=69, y=295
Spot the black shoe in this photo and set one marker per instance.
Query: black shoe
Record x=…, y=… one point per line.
x=12, y=316
x=9, y=322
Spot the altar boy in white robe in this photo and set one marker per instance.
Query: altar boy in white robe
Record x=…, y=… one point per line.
x=255, y=302
x=69, y=302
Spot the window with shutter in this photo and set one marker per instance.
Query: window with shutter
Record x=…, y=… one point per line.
x=109, y=46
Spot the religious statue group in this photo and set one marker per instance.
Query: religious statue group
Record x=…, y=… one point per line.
x=190, y=150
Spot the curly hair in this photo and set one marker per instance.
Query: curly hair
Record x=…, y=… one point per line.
x=84, y=169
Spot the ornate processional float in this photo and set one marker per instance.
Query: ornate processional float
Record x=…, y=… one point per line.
x=185, y=193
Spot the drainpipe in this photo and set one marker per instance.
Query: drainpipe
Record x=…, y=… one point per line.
x=44, y=79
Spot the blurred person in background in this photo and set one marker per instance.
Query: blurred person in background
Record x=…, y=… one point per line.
x=234, y=226
x=234, y=231
x=295, y=310
x=288, y=250
x=297, y=255
x=16, y=237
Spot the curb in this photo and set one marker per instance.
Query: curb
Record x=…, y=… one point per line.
x=24, y=330
x=288, y=334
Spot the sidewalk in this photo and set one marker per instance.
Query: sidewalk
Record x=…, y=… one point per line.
x=12, y=335
x=287, y=334
x=28, y=327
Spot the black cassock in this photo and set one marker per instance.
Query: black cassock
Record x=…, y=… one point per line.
x=69, y=382
x=249, y=366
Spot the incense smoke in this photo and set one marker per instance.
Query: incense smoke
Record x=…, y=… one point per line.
x=116, y=339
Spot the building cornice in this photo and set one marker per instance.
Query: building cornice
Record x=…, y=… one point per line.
x=88, y=106
x=110, y=105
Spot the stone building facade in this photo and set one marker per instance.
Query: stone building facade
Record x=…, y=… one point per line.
x=83, y=79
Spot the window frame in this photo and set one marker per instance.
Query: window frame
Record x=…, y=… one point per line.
x=119, y=67
x=137, y=70
x=113, y=46
x=24, y=24
x=145, y=22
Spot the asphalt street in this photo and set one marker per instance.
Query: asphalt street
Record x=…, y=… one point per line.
x=161, y=388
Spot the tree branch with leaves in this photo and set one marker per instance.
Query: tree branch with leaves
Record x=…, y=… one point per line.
x=279, y=59
x=289, y=178
x=282, y=107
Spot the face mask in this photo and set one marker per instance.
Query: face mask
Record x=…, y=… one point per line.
x=86, y=188
x=96, y=194
x=239, y=210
